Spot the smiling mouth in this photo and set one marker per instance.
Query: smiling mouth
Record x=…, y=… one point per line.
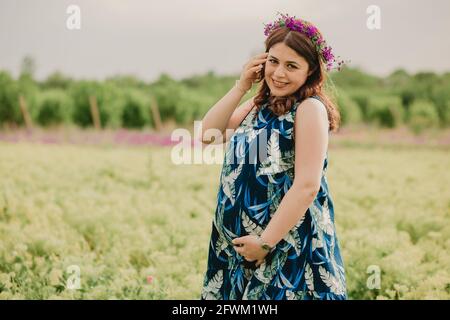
x=279, y=84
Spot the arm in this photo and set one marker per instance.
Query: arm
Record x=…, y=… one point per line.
x=225, y=117
x=311, y=143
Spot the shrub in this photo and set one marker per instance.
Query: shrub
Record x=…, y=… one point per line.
x=9, y=99
x=354, y=77
x=361, y=98
x=423, y=116
x=349, y=110
x=441, y=100
x=136, y=109
x=167, y=93
x=192, y=105
x=386, y=111
x=57, y=80
x=109, y=101
x=55, y=107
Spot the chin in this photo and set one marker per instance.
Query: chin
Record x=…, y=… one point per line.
x=279, y=93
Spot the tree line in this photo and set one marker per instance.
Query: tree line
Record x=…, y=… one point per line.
x=419, y=101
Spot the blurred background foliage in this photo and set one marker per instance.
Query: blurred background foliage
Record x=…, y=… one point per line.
x=418, y=101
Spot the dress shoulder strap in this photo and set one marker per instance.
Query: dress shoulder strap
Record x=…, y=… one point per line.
x=316, y=97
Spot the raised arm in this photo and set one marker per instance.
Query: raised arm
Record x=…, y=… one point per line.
x=226, y=114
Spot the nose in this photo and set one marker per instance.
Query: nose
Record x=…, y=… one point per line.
x=279, y=72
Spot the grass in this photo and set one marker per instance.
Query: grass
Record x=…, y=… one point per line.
x=122, y=214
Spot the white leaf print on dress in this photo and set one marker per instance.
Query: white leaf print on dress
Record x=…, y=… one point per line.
x=253, y=134
x=211, y=290
x=295, y=295
x=309, y=278
x=228, y=183
x=316, y=243
x=290, y=295
x=274, y=162
x=267, y=271
x=221, y=245
x=224, y=233
x=249, y=226
x=229, y=155
x=335, y=285
x=322, y=217
x=287, y=116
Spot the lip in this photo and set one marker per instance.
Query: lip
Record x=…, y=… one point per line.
x=280, y=82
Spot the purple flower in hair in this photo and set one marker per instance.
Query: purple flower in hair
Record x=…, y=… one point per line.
x=311, y=31
x=308, y=29
x=327, y=54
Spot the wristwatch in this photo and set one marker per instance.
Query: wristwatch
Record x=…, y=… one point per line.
x=264, y=245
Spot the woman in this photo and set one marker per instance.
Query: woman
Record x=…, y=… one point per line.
x=273, y=234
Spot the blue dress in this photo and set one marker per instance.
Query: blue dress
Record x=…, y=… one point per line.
x=306, y=263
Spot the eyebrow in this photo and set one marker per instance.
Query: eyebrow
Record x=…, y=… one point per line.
x=286, y=61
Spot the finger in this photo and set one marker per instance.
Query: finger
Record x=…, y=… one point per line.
x=261, y=55
x=253, y=73
x=253, y=70
x=236, y=241
x=239, y=250
x=261, y=58
x=258, y=61
x=253, y=63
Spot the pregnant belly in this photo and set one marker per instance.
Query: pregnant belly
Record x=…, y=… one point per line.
x=235, y=222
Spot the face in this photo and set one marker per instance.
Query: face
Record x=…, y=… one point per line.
x=287, y=67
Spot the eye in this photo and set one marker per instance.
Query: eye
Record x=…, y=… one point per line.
x=272, y=61
x=291, y=65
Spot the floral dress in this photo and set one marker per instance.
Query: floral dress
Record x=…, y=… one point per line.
x=306, y=263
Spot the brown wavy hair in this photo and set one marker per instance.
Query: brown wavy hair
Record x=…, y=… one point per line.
x=314, y=84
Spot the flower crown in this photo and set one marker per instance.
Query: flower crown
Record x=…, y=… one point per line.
x=307, y=28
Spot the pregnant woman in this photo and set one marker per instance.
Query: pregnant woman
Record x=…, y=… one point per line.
x=273, y=234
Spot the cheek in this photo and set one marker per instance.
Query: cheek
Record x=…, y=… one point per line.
x=301, y=77
x=270, y=68
x=266, y=70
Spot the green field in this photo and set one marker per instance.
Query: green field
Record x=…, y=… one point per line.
x=125, y=214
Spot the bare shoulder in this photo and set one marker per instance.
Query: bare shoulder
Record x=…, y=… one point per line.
x=311, y=118
x=312, y=108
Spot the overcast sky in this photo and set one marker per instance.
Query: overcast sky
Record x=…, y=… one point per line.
x=186, y=37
